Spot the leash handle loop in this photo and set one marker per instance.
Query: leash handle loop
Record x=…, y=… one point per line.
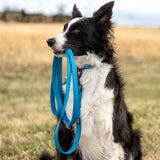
x=76, y=102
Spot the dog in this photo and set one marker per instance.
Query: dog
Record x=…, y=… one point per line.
x=107, y=132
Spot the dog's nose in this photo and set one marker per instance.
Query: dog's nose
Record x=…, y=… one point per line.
x=51, y=42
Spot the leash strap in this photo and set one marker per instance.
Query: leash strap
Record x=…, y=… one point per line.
x=57, y=93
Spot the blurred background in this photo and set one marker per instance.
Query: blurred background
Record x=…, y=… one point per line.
x=26, y=121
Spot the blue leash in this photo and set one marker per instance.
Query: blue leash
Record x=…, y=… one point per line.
x=57, y=93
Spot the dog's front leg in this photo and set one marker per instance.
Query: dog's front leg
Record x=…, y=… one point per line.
x=66, y=135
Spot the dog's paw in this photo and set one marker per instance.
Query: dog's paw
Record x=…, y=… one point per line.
x=46, y=156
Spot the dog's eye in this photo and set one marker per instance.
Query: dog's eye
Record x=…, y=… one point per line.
x=75, y=31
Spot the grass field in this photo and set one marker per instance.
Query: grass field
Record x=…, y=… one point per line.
x=26, y=122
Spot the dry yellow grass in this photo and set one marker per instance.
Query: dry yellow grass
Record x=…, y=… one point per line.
x=139, y=41
x=25, y=43
x=26, y=122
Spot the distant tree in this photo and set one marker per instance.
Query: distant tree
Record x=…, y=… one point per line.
x=4, y=14
x=61, y=9
x=22, y=15
x=61, y=15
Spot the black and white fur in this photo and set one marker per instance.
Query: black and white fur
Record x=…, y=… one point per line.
x=107, y=132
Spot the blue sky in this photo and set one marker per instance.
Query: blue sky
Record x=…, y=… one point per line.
x=133, y=11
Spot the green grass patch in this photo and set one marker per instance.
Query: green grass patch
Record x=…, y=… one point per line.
x=27, y=124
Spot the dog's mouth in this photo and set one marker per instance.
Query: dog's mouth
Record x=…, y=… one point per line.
x=59, y=53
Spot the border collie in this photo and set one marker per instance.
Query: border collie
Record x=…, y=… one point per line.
x=107, y=132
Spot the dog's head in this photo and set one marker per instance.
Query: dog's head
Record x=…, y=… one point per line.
x=85, y=35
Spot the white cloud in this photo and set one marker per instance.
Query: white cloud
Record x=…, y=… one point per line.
x=87, y=6
x=139, y=6
x=130, y=8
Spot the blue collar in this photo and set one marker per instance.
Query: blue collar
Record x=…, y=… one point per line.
x=87, y=66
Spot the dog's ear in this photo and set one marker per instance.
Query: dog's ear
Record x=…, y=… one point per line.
x=104, y=14
x=76, y=13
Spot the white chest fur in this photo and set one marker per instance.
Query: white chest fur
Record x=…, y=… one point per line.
x=96, y=141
